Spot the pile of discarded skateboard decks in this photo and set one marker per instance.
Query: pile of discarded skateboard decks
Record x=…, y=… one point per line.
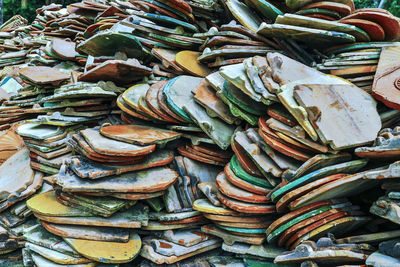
x=200, y=133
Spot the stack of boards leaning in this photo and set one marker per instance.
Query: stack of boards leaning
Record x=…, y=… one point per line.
x=200, y=133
